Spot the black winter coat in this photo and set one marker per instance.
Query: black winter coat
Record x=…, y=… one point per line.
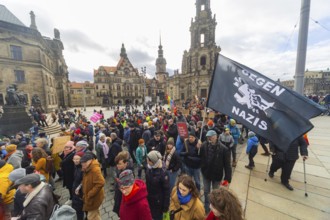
x=215, y=160
x=158, y=186
x=175, y=162
x=114, y=151
x=156, y=145
x=68, y=168
x=191, y=157
x=292, y=152
x=134, y=137
x=77, y=202
x=172, y=131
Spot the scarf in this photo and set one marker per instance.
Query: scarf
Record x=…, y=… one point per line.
x=156, y=165
x=31, y=195
x=183, y=199
x=169, y=157
x=105, y=149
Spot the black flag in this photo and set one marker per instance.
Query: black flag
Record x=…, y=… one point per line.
x=261, y=104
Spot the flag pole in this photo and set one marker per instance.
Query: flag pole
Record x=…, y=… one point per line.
x=302, y=47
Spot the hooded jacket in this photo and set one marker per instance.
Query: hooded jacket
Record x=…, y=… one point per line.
x=252, y=142
x=16, y=159
x=5, y=183
x=93, y=187
x=137, y=207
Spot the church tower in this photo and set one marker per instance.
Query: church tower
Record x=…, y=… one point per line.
x=161, y=74
x=200, y=58
x=198, y=62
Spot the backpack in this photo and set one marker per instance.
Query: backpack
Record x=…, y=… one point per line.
x=50, y=168
x=63, y=212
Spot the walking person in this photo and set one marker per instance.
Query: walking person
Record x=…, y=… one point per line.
x=134, y=203
x=68, y=167
x=251, y=149
x=192, y=158
x=286, y=160
x=172, y=162
x=185, y=203
x=215, y=167
x=102, y=150
x=141, y=157
x=92, y=185
x=77, y=193
x=235, y=132
x=158, y=185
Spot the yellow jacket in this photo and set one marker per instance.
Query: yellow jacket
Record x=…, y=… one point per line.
x=40, y=166
x=5, y=183
x=193, y=210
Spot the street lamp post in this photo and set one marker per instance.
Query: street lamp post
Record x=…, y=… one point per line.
x=144, y=70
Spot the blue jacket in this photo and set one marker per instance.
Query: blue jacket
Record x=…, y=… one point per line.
x=140, y=157
x=234, y=131
x=252, y=142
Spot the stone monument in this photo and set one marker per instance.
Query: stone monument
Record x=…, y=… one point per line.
x=14, y=117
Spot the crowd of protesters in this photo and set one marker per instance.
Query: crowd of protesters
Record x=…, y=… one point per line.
x=154, y=172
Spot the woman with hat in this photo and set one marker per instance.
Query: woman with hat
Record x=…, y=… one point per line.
x=158, y=185
x=14, y=156
x=172, y=162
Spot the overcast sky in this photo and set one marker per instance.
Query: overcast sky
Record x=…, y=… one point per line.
x=261, y=34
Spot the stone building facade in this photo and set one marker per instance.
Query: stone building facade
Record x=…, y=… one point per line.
x=315, y=82
x=33, y=62
x=197, y=63
x=119, y=85
x=82, y=94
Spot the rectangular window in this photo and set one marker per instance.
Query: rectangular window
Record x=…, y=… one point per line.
x=88, y=92
x=19, y=76
x=16, y=52
x=203, y=93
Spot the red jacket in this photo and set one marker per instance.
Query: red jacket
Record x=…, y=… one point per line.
x=211, y=216
x=136, y=206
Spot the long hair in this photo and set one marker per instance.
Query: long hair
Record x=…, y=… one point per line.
x=38, y=153
x=188, y=182
x=227, y=203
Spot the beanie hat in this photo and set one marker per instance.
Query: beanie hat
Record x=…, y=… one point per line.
x=251, y=134
x=210, y=123
x=149, y=123
x=170, y=141
x=126, y=178
x=80, y=153
x=82, y=144
x=211, y=133
x=141, y=141
x=154, y=156
x=11, y=148
x=2, y=163
x=192, y=134
x=17, y=174
x=232, y=121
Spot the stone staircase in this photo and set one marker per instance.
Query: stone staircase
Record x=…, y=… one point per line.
x=54, y=128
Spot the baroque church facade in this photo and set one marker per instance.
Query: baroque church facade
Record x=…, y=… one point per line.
x=33, y=62
x=124, y=84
